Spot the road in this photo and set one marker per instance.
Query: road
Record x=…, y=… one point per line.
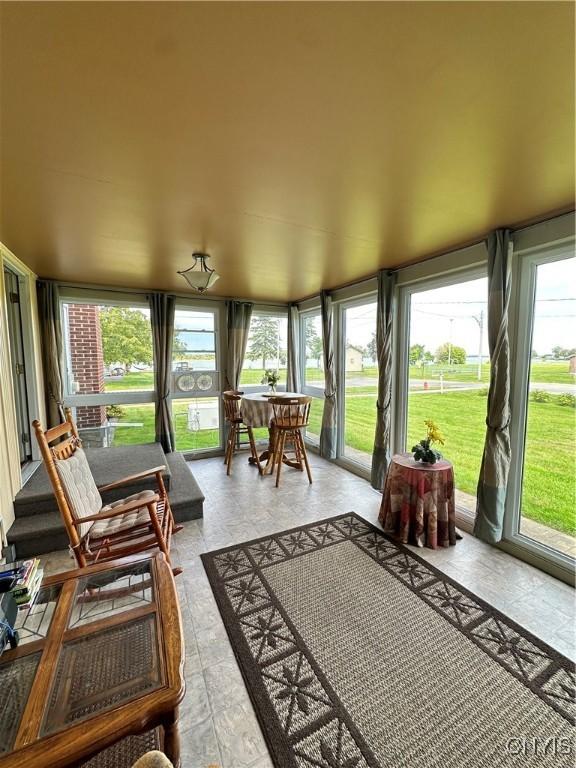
x=416, y=385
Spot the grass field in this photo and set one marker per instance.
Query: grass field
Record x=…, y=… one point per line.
x=543, y=373
x=550, y=465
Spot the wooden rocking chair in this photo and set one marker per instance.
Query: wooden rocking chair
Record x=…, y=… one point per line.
x=99, y=532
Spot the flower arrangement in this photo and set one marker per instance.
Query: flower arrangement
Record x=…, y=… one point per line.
x=423, y=450
x=271, y=378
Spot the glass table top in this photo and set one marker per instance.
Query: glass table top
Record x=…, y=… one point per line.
x=105, y=594
x=98, y=666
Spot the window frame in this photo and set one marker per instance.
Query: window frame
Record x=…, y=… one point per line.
x=217, y=308
x=266, y=311
x=359, y=468
x=401, y=374
x=522, y=315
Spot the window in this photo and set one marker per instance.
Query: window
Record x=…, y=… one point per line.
x=266, y=348
x=546, y=515
x=358, y=404
x=447, y=371
x=195, y=379
x=109, y=377
x=312, y=362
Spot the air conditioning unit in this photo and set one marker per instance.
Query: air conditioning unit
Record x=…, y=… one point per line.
x=196, y=382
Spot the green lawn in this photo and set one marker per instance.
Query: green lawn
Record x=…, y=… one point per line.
x=550, y=467
x=541, y=373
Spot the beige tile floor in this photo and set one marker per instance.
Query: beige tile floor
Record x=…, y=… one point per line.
x=218, y=725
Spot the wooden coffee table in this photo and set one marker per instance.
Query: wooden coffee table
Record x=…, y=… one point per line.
x=98, y=675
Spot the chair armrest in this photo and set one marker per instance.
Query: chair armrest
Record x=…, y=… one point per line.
x=119, y=509
x=132, y=478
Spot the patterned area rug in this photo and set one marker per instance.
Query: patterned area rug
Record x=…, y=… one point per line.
x=356, y=653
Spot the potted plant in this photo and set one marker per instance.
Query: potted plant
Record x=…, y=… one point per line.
x=271, y=378
x=423, y=451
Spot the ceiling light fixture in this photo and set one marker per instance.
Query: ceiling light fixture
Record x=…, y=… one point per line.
x=199, y=276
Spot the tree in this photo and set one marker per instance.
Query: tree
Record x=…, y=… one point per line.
x=416, y=353
x=371, y=348
x=264, y=338
x=563, y=354
x=449, y=352
x=126, y=337
x=314, y=347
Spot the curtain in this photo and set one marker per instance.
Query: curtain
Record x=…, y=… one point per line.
x=162, y=309
x=51, y=348
x=493, y=480
x=381, y=453
x=238, y=324
x=293, y=374
x=328, y=433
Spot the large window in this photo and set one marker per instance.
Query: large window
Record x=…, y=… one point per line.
x=547, y=511
x=312, y=361
x=266, y=348
x=109, y=377
x=448, y=371
x=195, y=379
x=358, y=408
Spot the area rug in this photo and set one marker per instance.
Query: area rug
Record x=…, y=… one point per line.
x=356, y=652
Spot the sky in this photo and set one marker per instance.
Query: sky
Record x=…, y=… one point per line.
x=453, y=312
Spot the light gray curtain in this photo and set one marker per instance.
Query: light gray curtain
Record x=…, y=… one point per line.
x=381, y=453
x=293, y=374
x=493, y=481
x=238, y=324
x=328, y=433
x=162, y=309
x=51, y=348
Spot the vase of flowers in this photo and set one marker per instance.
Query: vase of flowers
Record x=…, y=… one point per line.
x=423, y=451
x=271, y=378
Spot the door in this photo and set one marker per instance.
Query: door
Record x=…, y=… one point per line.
x=18, y=362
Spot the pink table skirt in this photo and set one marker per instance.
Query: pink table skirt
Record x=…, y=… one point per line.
x=418, y=503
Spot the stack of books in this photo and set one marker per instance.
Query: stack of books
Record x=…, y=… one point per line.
x=27, y=580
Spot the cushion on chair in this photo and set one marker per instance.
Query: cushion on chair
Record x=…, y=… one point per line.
x=153, y=760
x=139, y=516
x=83, y=496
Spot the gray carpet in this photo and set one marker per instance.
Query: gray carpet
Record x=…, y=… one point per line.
x=356, y=652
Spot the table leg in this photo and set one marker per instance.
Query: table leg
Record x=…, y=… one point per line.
x=267, y=455
x=172, y=738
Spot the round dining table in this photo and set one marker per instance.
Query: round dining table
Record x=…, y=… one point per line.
x=257, y=411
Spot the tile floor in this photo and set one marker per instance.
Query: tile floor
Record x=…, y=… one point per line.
x=218, y=726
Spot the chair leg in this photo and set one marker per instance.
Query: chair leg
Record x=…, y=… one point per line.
x=231, y=447
x=253, y=450
x=304, y=454
x=280, y=455
x=158, y=531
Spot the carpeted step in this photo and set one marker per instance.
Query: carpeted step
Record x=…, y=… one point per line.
x=107, y=465
x=37, y=534
x=186, y=497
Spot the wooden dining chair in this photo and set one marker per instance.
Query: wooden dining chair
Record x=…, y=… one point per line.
x=291, y=416
x=237, y=428
x=98, y=531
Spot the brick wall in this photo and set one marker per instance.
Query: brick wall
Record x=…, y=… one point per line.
x=86, y=358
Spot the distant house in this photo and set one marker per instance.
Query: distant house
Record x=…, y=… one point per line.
x=354, y=358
